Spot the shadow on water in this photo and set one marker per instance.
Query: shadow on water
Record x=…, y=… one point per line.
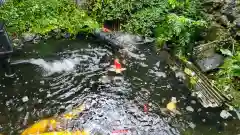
x=56, y=76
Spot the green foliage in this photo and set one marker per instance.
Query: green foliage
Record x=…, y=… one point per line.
x=228, y=78
x=167, y=20
x=179, y=30
x=43, y=16
x=231, y=67
x=144, y=21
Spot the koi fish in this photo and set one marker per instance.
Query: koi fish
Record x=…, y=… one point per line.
x=105, y=29
x=65, y=133
x=40, y=127
x=43, y=125
x=74, y=112
x=118, y=67
x=145, y=108
x=171, y=106
x=120, y=131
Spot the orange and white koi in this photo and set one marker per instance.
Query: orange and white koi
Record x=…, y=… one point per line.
x=118, y=66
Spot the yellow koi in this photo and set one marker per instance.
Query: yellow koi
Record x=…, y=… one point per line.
x=39, y=127
x=171, y=106
x=74, y=112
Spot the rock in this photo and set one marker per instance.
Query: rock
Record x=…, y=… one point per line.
x=66, y=35
x=17, y=42
x=122, y=40
x=1, y=3
x=37, y=39
x=237, y=22
x=190, y=109
x=213, y=4
x=224, y=20
x=225, y=114
x=238, y=35
x=28, y=36
x=216, y=32
x=56, y=30
x=210, y=63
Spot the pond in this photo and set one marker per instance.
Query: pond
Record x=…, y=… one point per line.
x=55, y=76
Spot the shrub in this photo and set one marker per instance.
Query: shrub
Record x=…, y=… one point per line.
x=167, y=20
x=43, y=16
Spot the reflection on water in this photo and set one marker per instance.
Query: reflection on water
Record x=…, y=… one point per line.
x=71, y=73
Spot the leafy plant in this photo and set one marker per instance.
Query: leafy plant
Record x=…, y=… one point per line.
x=168, y=20
x=231, y=67
x=43, y=16
x=177, y=29
x=228, y=78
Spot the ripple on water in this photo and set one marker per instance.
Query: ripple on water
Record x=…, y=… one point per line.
x=79, y=76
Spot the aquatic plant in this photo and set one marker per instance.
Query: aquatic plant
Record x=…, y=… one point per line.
x=44, y=16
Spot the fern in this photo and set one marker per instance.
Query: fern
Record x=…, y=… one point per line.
x=177, y=29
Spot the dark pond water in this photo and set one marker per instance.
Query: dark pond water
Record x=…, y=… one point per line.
x=56, y=76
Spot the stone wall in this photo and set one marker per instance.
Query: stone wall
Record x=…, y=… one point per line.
x=224, y=32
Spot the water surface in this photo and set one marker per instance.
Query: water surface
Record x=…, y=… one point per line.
x=56, y=76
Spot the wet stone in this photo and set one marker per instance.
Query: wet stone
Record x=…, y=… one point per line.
x=28, y=37
x=210, y=63
x=238, y=24
x=224, y=20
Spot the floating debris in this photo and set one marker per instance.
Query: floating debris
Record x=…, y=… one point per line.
x=193, y=102
x=26, y=119
x=161, y=74
x=225, y=114
x=190, y=109
x=42, y=82
x=25, y=99
x=191, y=125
